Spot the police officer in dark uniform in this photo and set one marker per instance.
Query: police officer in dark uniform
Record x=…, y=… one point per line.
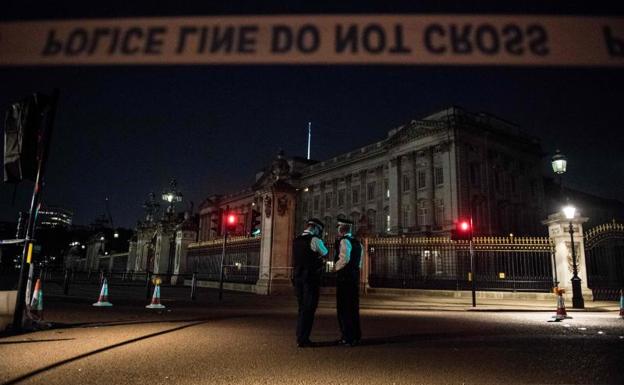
x=347, y=264
x=308, y=253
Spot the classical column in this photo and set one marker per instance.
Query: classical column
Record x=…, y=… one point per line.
x=161, y=254
x=394, y=184
x=183, y=238
x=558, y=231
x=431, y=190
x=278, y=230
x=132, y=256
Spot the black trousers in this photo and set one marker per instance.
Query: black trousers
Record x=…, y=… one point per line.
x=348, y=307
x=307, y=298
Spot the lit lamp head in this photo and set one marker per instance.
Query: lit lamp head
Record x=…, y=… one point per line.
x=569, y=211
x=559, y=163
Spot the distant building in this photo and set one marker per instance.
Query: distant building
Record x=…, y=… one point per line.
x=419, y=180
x=51, y=217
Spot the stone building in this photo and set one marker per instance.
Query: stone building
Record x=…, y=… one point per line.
x=419, y=180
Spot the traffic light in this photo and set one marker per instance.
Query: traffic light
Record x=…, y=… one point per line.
x=231, y=222
x=215, y=222
x=463, y=230
x=256, y=217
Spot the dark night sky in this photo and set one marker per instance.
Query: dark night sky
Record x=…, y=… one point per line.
x=124, y=131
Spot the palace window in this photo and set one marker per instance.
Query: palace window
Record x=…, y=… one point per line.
x=406, y=216
x=406, y=183
x=422, y=213
x=370, y=191
x=439, y=213
x=341, y=198
x=422, y=179
x=355, y=195
x=439, y=176
x=317, y=201
x=328, y=200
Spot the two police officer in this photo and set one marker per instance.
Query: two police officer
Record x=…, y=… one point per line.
x=308, y=253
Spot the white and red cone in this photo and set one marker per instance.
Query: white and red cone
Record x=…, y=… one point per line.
x=103, y=299
x=36, y=304
x=156, y=299
x=561, y=310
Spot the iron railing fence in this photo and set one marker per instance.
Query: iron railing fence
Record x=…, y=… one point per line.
x=604, y=258
x=501, y=263
x=241, y=264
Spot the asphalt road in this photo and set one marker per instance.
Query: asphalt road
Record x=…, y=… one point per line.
x=249, y=341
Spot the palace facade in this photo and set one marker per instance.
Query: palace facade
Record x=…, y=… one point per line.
x=420, y=180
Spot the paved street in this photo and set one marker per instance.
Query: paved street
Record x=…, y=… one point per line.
x=248, y=339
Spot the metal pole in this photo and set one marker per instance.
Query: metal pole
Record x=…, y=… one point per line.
x=577, y=296
x=472, y=262
x=309, y=137
x=66, y=282
x=147, y=284
x=46, y=134
x=193, y=286
x=473, y=275
x=222, y=262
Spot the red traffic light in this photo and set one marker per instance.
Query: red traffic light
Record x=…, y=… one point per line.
x=462, y=231
x=231, y=220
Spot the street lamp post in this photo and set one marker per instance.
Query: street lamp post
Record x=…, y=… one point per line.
x=559, y=165
x=172, y=196
x=577, y=296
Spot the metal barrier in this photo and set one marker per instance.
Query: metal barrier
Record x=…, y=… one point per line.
x=513, y=264
x=241, y=264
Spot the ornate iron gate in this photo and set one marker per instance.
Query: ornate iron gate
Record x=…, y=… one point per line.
x=604, y=254
x=501, y=263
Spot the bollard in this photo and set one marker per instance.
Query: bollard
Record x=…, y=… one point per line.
x=193, y=286
x=66, y=282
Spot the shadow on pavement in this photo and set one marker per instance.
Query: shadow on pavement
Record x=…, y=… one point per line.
x=31, y=341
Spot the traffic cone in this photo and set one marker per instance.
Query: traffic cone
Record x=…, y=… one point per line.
x=561, y=310
x=622, y=303
x=156, y=299
x=103, y=299
x=36, y=305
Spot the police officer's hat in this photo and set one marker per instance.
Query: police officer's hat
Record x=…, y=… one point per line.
x=316, y=222
x=343, y=222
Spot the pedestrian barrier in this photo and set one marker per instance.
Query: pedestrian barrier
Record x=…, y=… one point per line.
x=103, y=299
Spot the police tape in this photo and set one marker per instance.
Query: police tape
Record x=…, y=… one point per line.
x=514, y=40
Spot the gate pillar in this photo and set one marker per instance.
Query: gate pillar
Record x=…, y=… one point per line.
x=278, y=230
x=559, y=233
